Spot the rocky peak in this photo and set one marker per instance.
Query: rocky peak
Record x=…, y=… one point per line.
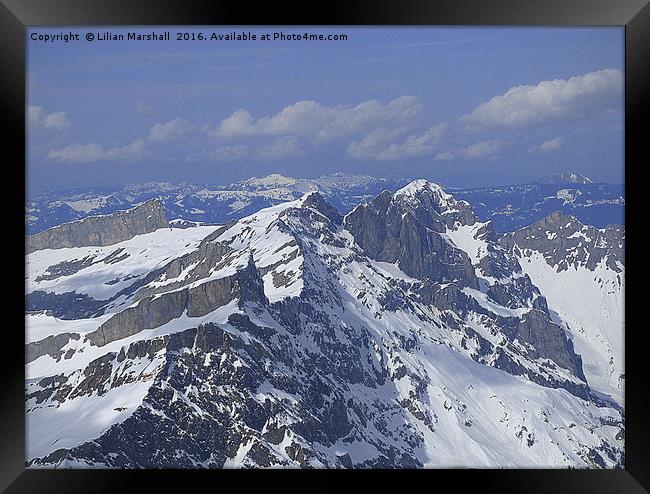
x=320, y=346
x=421, y=188
x=102, y=230
x=433, y=207
x=408, y=228
x=315, y=200
x=564, y=241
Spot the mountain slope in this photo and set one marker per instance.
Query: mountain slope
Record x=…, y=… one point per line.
x=581, y=270
x=287, y=338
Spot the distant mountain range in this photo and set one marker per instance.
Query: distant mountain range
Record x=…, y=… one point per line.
x=407, y=333
x=512, y=207
x=508, y=207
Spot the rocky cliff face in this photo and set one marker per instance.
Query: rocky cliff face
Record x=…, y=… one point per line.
x=581, y=270
x=565, y=242
x=408, y=228
x=404, y=335
x=101, y=230
x=195, y=301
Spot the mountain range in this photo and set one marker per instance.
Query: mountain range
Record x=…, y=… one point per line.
x=507, y=207
x=405, y=332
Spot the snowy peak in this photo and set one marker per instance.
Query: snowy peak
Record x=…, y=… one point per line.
x=408, y=228
x=275, y=180
x=421, y=186
x=422, y=190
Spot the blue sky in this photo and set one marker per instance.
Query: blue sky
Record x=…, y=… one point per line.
x=462, y=106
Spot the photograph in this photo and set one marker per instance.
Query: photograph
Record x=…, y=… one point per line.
x=328, y=247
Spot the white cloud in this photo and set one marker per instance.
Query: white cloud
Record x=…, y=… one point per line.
x=380, y=144
x=318, y=122
x=558, y=99
x=447, y=155
x=169, y=130
x=549, y=146
x=137, y=148
x=479, y=150
x=34, y=114
x=374, y=143
x=483, y=149
x=56, y=121
x=37, y=118
x=91, y=152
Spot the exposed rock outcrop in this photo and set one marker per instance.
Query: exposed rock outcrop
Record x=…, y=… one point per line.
x=52, y=346
x=349, y=362
x=101, y=230
x=396, y=228
x=564, y=241
x=156, y=310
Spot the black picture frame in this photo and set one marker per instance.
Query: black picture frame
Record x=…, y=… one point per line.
x=16, y=15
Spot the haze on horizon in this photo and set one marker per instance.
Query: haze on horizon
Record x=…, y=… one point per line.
x=461, y=106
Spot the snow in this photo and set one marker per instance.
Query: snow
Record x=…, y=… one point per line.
x=392, y=270
x=275, y=179
x=88, y=205
x=411, y=192
x=76, y=420
x=146, y=252
x=465, y=237
x=567, y=195
x=238, y=204
x=591, y=304
x=492, y=306
x=40, y=326
x=86, y=353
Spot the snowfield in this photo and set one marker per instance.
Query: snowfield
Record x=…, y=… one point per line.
x=591, y=306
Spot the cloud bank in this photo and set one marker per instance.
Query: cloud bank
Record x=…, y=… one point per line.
x=559, y=99
x=369, y=131
x=318, y=122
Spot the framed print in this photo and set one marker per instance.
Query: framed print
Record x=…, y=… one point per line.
x=297, y=248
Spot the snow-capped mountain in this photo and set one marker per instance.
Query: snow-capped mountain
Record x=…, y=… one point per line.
x=581, y=270
x=508, y=207
x=404, y=334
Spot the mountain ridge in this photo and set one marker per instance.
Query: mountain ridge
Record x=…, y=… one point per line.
x=343, y=354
